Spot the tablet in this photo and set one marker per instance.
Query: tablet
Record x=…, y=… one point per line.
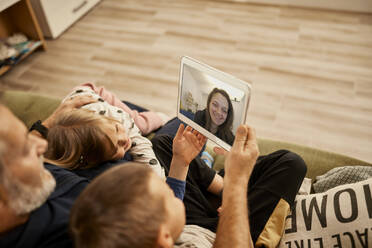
x=211, y=101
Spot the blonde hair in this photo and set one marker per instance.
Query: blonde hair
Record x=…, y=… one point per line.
x=77, y=141
x=118, y=209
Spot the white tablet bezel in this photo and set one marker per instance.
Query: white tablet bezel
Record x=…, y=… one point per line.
x=222, y=76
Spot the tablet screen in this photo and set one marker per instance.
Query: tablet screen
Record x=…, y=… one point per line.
x=211, y=101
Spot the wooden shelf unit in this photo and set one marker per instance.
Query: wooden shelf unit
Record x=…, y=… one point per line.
x=20, y=18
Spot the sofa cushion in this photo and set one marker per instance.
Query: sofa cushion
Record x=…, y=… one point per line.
x=318, y=161
x=339, y=217
x=341, y=175
x=29, y=107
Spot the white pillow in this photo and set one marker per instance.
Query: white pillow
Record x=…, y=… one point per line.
x=194, y=236
x=339, y=217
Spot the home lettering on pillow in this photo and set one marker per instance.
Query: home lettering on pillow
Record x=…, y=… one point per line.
x=340, y=217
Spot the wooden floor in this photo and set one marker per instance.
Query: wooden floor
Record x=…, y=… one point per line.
x=311, y=70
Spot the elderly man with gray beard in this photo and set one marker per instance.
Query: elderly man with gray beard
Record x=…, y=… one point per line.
x=35, y=197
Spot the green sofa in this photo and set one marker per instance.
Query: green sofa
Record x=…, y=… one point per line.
x=30, y=107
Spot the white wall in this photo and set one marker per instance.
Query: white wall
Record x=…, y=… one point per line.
x=190, y=85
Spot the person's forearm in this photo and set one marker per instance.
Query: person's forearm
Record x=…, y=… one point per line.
x=46, y=124
x=68, y=105
x=178, y=169
x=36, y=133
x=233, y=226
x=216, y=185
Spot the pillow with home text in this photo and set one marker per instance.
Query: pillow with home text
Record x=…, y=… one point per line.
x=339, y=217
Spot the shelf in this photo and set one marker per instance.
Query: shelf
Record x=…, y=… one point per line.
x=19, y=17
x=6, y=68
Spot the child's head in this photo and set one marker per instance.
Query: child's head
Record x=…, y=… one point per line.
x=127, y=206
x=83, y=139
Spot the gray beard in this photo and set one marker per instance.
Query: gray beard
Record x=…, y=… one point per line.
x=25, y=198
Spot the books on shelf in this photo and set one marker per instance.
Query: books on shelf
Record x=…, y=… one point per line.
x=22, y=50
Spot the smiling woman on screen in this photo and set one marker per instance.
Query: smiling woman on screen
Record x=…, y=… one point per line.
x=218, y=116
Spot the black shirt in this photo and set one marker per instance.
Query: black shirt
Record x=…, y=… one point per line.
x=48, y=225
x=93, y=172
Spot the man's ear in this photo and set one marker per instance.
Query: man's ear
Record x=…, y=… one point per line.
x=164, y=239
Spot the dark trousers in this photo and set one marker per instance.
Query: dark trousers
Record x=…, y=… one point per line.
x=275, y=176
